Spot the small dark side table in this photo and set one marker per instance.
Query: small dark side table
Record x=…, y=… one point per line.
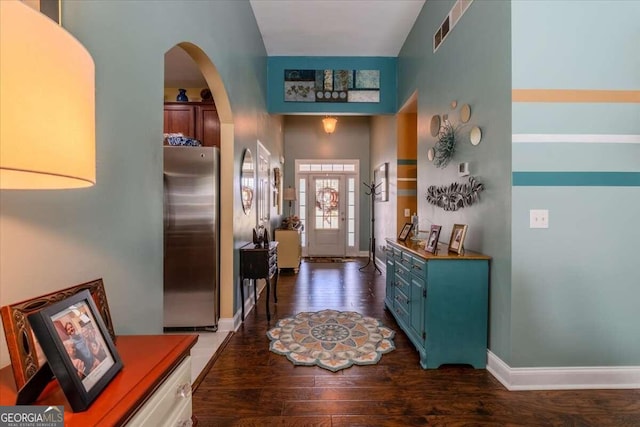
x=258, y=262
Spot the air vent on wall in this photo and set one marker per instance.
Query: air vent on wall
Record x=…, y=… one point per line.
x=450, y=21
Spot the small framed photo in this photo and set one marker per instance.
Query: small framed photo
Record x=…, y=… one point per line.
x=405, y=232
x=78, y=348
x=432, y=241
x=24, y=349
x=458, y=234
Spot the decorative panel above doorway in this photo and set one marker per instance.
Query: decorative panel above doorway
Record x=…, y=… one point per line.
x=331, y=85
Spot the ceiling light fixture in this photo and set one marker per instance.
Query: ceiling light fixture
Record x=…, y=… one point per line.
x=329, y=124
x=47, y=107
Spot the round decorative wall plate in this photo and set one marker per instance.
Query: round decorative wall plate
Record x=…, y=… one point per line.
x=475, y=135
x=465, y=113
x=435, y=125
x=431, y=154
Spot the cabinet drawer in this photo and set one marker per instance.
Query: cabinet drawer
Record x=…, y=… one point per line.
x=418, y=267
x=402, y=285
x=404, y=259
x=390, y=263
x=400, y=305
x=401, y=299
x=170, y=398
x=403, y=272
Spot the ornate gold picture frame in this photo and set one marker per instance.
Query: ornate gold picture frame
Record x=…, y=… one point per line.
x=24, y=350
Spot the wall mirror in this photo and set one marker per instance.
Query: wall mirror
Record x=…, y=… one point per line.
x=475, y=135
x=465, y=113
x=435, y=125
x=247, y=181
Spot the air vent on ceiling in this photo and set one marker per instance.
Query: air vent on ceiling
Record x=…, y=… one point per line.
x=450, y=21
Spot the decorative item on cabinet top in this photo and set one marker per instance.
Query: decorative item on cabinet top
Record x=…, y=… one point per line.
x=404, y=233
x=178, y=139
x=432, y=242
x=79, y=350
x=456, y=242
x=26, y=354
x=182, y=96
x=206, y=95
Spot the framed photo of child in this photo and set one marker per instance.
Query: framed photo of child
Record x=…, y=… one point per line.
x=78, y=348
x=456, y=241
x=406, y=229
x=432, y=242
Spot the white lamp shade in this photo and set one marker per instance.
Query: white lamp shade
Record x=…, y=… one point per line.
x=47, y=111
x=329, y=124
x=289, y=193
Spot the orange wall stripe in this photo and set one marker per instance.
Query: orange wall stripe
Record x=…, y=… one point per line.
x=567, y=95
x=407, y=171
x=407, y=185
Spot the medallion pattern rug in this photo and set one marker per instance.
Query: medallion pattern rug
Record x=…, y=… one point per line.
x=331, y=339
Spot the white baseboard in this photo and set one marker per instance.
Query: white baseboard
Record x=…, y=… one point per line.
x=228, y=324
x=563, y=378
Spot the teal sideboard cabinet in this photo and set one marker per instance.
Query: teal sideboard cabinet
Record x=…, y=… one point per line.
x=440, y=301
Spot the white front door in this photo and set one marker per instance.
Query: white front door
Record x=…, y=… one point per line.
x=326, y=216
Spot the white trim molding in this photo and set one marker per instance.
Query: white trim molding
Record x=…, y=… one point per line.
x=574, y=138
x=563, y=378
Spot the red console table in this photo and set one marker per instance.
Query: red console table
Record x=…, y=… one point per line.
x=149, y=361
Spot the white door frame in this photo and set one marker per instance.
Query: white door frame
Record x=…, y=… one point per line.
x=263, y=186
x=350, y=169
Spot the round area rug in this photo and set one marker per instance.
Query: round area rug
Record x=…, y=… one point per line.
x=331, y=339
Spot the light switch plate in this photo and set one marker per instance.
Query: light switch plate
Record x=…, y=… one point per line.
x=407, y=213
x=539, y=218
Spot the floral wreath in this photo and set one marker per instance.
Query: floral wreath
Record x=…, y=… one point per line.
x=327, y=199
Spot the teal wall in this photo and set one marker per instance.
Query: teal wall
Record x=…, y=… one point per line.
x=277, y=65
x=54, y=239
x=575, y=286
x=472, y=66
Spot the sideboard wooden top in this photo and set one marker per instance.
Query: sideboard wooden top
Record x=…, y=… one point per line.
x=442, y=253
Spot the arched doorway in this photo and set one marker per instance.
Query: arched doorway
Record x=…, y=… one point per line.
x=226, y=200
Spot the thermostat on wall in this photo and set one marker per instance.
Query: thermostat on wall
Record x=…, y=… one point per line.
x=463, y=169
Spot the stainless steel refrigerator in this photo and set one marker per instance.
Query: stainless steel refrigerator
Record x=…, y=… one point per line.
x=191, y=238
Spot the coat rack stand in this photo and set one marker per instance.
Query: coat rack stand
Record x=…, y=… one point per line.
x=373, y=192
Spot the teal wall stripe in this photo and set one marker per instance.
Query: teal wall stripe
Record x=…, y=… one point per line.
x=577, y=179
x=407, y=193
x=407, y=162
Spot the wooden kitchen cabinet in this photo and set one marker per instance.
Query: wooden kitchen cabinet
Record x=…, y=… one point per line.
x=197, y=120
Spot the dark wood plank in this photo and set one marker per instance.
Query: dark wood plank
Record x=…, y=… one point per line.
x=250, y=386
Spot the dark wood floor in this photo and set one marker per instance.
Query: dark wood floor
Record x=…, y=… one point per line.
x=250, y=386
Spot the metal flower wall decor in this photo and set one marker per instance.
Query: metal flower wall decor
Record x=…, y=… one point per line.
x=446, y=145
x=455, y=196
